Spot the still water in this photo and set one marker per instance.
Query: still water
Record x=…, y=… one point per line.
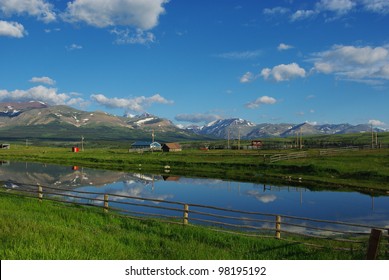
x=351, y=207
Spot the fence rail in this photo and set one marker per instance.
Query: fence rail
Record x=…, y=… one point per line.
x=278, y=157
x=272, y=158
x=338, y=150
x=344, y=236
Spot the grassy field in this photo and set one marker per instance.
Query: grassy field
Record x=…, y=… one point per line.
x=364, y=170
x=30, y=230
x=51, y=231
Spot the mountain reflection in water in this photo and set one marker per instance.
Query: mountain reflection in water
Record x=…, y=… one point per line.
x=294, y=201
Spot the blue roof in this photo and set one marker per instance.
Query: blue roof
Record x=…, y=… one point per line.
x=141, y=143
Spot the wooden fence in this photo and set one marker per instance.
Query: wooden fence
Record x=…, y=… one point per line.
x=338, y=150
x=312, y=232
x=304, y=154
x=279, y=157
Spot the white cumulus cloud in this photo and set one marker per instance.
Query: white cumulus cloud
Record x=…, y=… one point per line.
x=12, y=29
x=337, y=6
x=43, y=80
x=376, y=123
x=284, y=47
x=303, y=14
x=377, y=6
x=283, y=72
x=143, y=14
x=136, y=104
x=362, y=64
x=247, y=78
x=41, y=9
x=39, y=93
x=260, y=101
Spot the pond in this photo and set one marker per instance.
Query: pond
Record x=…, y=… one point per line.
x=351, y=207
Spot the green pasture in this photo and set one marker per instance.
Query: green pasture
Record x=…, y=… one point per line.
x=54, y=231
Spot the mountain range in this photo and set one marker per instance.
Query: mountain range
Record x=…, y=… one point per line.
x=39, y=120
x=56, y=123
x=239, y=128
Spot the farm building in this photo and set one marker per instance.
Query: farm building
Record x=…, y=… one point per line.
x=256, y=144
x=171, y=147
x=154, y=146
x=141, y=145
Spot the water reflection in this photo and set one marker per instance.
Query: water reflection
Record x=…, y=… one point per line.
x=56, y=175
x=285, y=200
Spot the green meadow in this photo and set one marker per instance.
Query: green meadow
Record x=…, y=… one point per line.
x=50, y=231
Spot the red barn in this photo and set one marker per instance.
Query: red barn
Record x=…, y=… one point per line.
x=171, y=147
x=256, y=143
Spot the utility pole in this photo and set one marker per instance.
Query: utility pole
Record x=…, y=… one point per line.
x=372, y=137
x=228, y=139
x=152, y=136
x=301, y=138
x=238, y=139
x=82, y=143
x=297, y=139
x=376, y=138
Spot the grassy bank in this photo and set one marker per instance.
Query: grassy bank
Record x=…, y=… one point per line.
x=33, y=230
x=363, y=170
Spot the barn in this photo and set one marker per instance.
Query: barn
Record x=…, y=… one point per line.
x=141, y=145
x=152, y=146
x=256, y=143
x=171, y=147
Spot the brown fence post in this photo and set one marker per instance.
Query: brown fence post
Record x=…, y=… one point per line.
x=278, y=227
x=387, y=245
x=186, y=214
x=106, y=203
x=40, y=193
x=374, y=242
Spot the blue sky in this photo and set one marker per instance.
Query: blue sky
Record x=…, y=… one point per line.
x=194, y=61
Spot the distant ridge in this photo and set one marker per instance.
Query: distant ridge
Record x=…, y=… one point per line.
x=41, y=121
x=235, y=128
x=37, y=120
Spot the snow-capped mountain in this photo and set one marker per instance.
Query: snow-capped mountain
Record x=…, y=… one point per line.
x=38, y=120
x=232, y=128
x=34, y=119
x=235, y=128
x=13, y=109
x=147, y=120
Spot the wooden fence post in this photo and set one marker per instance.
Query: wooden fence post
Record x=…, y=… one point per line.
x=40, y=193
x=278, y=227
x=387, y=246
x=374, y=242
x=106, y=203
x=186, y=214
